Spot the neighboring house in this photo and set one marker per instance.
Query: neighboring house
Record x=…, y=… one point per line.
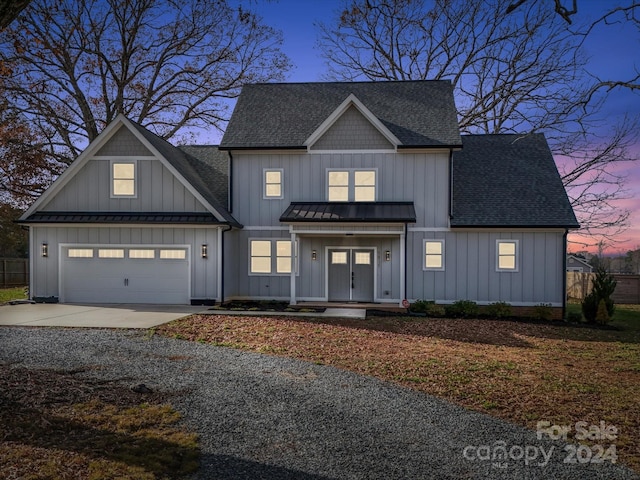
x=345, y=192
x=577, y=264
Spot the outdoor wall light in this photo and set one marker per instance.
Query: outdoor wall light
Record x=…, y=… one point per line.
x=387, y=255
x=314, y=255
x=44, y=250
x=203, y=251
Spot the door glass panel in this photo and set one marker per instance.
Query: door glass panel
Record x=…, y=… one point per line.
x=173, y=254
x=111, y=253
x=80, y=253
x=339, y=258
x=142, y=253
x=363, y=258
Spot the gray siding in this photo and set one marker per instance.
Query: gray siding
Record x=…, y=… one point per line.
x=310, y=283
x=158, y=191
x=352, y=131
x=470, y=268
x=203, y=271
x=419, y=177
x=123, y=143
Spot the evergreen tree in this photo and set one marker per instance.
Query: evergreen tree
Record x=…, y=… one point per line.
x=603, y=287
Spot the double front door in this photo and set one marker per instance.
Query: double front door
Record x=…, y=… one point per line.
x=350, y=275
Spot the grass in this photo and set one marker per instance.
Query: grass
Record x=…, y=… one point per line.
x=56, y=426
x=16, y=293
x=523, y=372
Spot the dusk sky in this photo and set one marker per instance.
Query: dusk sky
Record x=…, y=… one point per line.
x=612, y=50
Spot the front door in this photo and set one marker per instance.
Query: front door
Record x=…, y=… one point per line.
x=350, y=275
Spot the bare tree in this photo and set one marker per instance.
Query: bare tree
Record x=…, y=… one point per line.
x=169, y=65
x=519, y=73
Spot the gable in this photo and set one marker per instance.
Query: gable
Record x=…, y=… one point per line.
x=419, y=114
x=352, y=131
x=123, y=143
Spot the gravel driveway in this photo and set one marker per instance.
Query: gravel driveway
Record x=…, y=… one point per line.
x=263, y=417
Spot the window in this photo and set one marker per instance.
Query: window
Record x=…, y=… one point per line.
x=260, y=256
x=80, y=253
x=270, y=257
x=273, y=184
x=351, y=185
x=110, y=253
x=433, y=255
x=173, y=254
x=339, y=258
x=507, y=255
x=142, y=253
x=123, y=179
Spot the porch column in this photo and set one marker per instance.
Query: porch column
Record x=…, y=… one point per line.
x=294, y=264
x=403, y=263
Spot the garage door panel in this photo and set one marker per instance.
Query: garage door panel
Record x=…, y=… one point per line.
x=126, y=280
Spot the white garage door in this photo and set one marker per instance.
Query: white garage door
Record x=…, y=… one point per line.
x=114, y=274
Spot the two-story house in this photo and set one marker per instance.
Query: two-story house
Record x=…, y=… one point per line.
x=333, y=192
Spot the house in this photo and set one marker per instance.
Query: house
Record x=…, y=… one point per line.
x=337, y=192
x=577, y=264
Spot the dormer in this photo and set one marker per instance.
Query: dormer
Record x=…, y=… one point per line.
x=352, y=126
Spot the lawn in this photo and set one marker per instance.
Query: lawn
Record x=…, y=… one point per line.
x=16, y=293
x=523, y=372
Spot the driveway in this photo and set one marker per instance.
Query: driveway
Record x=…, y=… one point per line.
x=270, y=418
x=93, y=316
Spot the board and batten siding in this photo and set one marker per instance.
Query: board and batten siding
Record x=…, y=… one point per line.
x=311, y=280
x=123, y=143
x=470, y=268
x=422, y=178
x=158, y=190
x=204, y=283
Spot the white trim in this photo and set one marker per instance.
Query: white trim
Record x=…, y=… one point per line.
x=293, y=273
x=403, y=261
x=441, y=241
x=264, y=183
x=354, y=151
x=123, y=161
x=351, y=185
x=123, y=225
x=219, y=272
x=273, y=257
x=516, y=255
x=338, y=112
x=266, y=229
x=428, y=229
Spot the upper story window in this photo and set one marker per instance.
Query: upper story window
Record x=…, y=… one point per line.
x=351, y=185
x=123, y=179
x=273, y=183
x=507, y=255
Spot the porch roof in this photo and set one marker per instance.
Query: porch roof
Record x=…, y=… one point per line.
x=372, y=212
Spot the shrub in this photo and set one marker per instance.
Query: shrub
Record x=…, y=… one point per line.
x=543, y=312
x=498, y=310
x=574, y=317
x=462, y=309
x=602, y=315
x=603, y=287
x=421, y=306
x=434, y=310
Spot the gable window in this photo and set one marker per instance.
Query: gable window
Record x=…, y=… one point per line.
x=433, y=255
x=351, y=185
x=123, y=179
x=507, y=255
x=273, y=184
x=270, y=257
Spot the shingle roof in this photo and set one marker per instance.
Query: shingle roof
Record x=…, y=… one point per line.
x=212, y=165
x=508, y=181
x=123, y=217
x=349, y=212
x=284, y=115
x=187, y=166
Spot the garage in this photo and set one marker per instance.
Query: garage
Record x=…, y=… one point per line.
x=135, y=274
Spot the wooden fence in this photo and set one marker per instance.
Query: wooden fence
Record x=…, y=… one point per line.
x=627, y=289
x=14, y=272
